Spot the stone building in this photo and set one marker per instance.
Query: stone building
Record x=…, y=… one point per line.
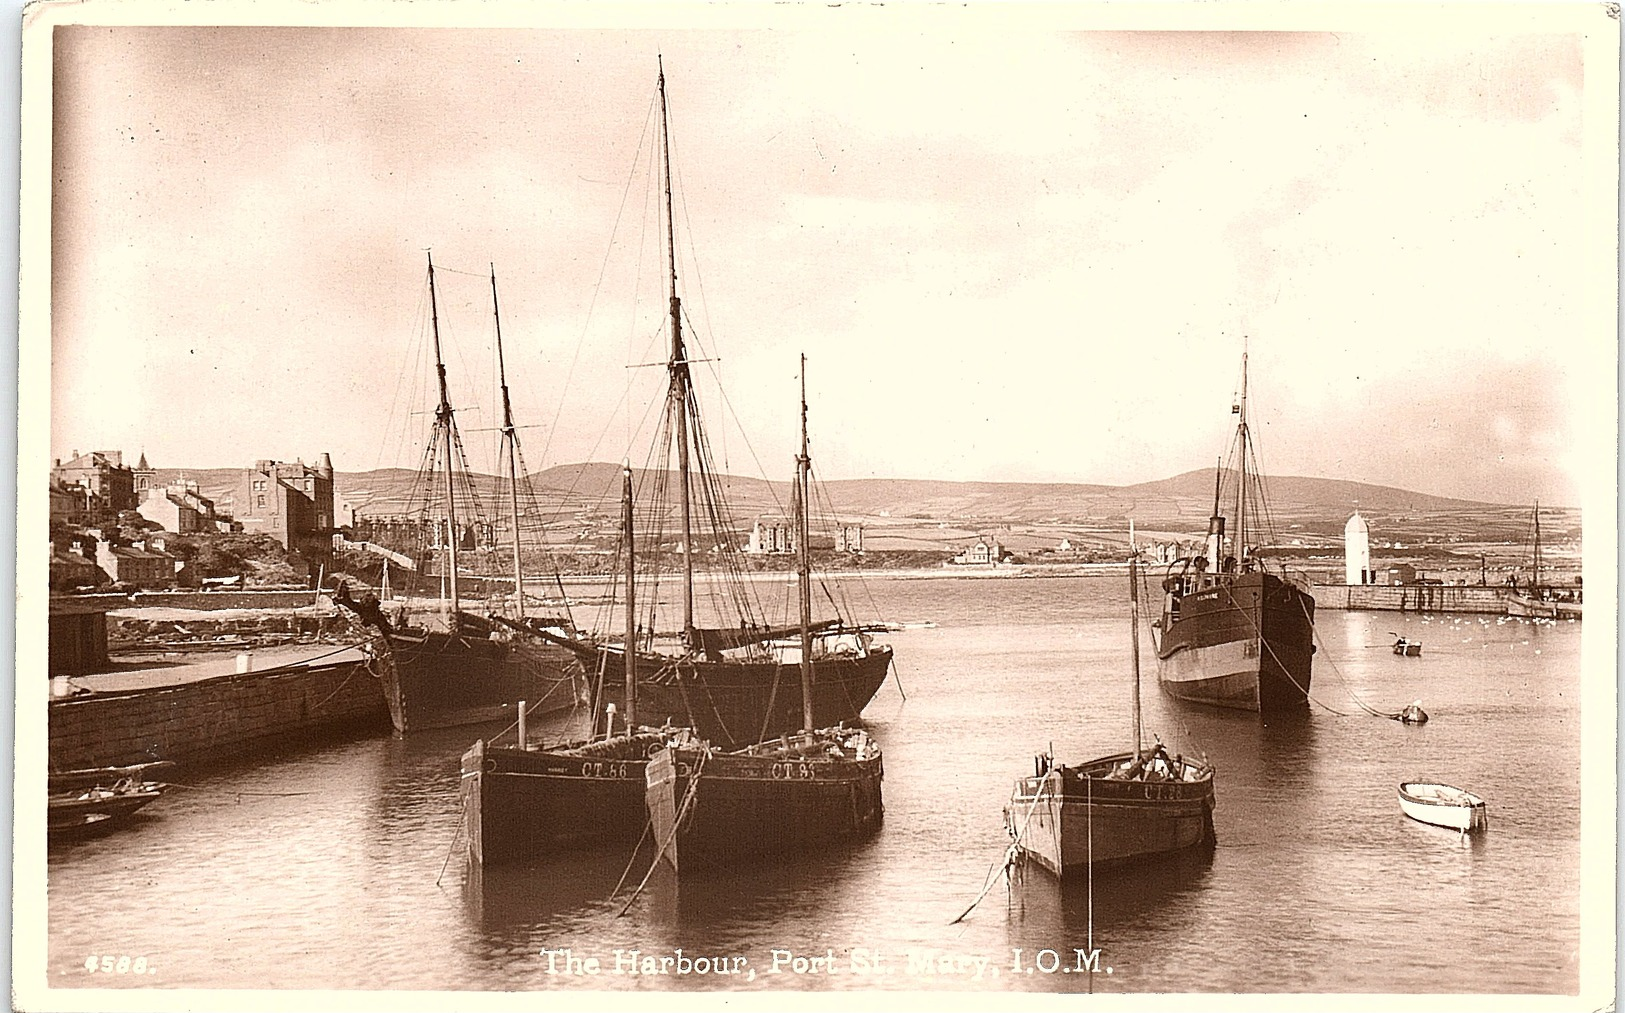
x=293, y=503
x=104, y=474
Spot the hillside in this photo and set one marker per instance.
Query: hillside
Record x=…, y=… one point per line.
x=923, y=514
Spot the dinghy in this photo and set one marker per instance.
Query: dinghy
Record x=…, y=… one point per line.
x=1443, y=806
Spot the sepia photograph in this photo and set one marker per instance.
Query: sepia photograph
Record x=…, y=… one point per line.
x=938, y=504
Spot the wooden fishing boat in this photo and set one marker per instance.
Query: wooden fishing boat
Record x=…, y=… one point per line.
x=777, y=797
x=1443, y=805
x=1115, y=809
x=472, y=669
x=522, y=804
x=98, y=799
x=1535, y=600
x=774, y=799
x=1232, y=633
x=1407, y=648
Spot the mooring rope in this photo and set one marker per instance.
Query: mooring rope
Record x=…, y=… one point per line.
x=1011, y=854
x=676, y=824
x=1398, y=715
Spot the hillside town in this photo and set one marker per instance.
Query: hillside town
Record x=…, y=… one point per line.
x=117, y=527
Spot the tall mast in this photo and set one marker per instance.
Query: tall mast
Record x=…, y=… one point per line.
x=1134, y=640
x=803, y=558
x=510, y=440
x=1536, y=582
x=678, y=368
x=1239, y=537
x=444, y=425
x=631, y=601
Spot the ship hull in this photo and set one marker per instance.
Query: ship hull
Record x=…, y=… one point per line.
x=526, y=806
x=760, y=807
x=1246, y=643
x=733, y=704
x=1068, y=823
x=523, y=806
x=443, y=680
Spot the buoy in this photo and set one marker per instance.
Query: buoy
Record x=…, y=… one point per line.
x=1413, y=714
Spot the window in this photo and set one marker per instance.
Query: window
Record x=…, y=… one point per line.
x=260, y=501
x=259, y=486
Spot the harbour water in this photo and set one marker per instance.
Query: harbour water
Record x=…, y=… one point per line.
x=319, y=870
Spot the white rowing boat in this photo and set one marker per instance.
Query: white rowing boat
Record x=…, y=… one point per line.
x=1443, y=806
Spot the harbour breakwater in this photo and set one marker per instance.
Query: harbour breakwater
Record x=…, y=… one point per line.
x=1412, y=598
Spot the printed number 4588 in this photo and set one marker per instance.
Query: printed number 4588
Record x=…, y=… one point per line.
x=117, y=965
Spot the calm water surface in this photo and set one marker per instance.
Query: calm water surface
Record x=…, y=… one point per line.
x=319, y=870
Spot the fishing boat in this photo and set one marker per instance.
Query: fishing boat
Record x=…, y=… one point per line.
x=524, y=802
x=798, y=791
x=729, y=674
x=1233, y=633
x=98, y=799
x=1113, y=810
x=469, y=668
x=1407, y=648
x=1543, y=601
x=1443, y=806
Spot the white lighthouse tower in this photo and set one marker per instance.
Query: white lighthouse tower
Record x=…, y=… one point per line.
x=1357, y=551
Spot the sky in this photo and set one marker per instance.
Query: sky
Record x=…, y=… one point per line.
x=1009, y=250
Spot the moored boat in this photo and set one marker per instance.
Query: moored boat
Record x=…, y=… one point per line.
x=468, y=669
x=98, y=799
x=781, y=796
x=1114, y=809
x=1407, y=648
x=1536, y=600
x=1233, y=633
x=1443, y=805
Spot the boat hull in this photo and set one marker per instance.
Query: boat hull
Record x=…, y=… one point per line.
x=96, y=809
x=756, y=807
x=1530, y=607
x=1246, y=642
x=733, y=704
x=524, y=806
x=441, y=680
x=1068, y=821
x=1443, y=806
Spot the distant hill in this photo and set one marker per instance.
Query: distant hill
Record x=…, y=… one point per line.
x=1180, y=502
x=1296, y=492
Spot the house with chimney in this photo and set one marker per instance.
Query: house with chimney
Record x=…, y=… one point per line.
x=108, y=482
x=292, y=503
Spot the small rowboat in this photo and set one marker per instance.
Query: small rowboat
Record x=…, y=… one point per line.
x=1407, y=648
x=1443, y=806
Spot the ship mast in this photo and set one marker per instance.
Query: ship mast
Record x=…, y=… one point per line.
x=1239, y=537
x=803, y=558
x=677, y=367
x=510, y=441
x=631, y=603
x=1535, y=583
x=1134, y=640
x=444, y=424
